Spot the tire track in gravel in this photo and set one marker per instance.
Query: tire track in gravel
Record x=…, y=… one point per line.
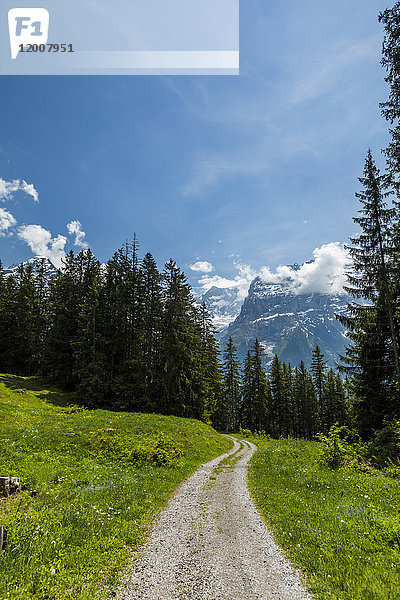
x=211, y=544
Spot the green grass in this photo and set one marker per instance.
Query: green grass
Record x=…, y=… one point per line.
x=101, y=478
x=341, y=528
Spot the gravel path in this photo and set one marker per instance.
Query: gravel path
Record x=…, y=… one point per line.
x=210, y=544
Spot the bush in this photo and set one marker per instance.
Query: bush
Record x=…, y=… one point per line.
x=245, y=432
x=159, y=450
x=340, y=447
x=162, y=451
x=385, y=447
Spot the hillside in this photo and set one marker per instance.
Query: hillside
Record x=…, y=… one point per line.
x=100, y=478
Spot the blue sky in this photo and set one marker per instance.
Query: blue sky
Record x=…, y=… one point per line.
x=255, y=170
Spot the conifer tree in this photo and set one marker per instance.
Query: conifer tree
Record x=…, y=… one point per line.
x=318, y=367
x=231, y=383
x=41, y=317
x=207, y=381
x=306, y=400
x=261, y=388
x=341, y=404
x=216, y=404
x=127, y=383
x=277, y=405
x=8, y=292
x=255, y=391
x=89, y=346
x=26, y=335
x=331, y=400
x=64, y=298
x=3, y=316
x=290, y=414
x=152, y=318
x=373, y=359
x=178, y=337
x=247, y=404
x=391, y=108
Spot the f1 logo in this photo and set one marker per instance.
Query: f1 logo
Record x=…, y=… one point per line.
x=27, y=26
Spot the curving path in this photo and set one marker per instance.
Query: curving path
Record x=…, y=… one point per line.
x=210, y=543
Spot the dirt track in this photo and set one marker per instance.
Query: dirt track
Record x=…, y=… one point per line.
x=210, y=544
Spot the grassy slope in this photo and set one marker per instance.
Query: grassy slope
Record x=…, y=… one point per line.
x=95, y=503
x=342, y=528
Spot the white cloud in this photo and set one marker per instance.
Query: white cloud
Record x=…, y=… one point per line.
x=7, y=220
x=203, y=266
x=325, y=274
x=42, y=243
x=241, y=282
x=75, y=228
x=8, y=188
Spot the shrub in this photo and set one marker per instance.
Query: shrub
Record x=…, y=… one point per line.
x=159, y=450
x=245, y=432
x=340, y=447
x=385, y=447
x=162, y=451
x=73, y=409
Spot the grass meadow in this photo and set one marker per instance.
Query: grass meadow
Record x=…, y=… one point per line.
x=100, y=479
x=341, y=527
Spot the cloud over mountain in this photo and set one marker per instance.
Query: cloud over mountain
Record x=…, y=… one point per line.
x=325, y=274
x=42, y=243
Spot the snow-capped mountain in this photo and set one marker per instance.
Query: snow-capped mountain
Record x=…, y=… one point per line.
x=36, y=263
x=287, y=323
x=223, y=305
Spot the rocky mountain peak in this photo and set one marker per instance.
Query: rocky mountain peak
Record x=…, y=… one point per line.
x=288, y=324
x=36, y=263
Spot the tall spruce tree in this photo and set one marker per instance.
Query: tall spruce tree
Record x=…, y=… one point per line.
x=306, y=401
x=277, y=404
x=261, y=388
x=318, y=368
x=128, y=383
x=255, y=391
x=391, y=108
x=8, y=323
x=152, y=318
x=247, y=404
x=341, y=403
x=27, y=335
x=178, y=337
x=89, y=351
x=290, y=414
x=210, y=401
x=373, y=359
x=42, y=316
x=64, y=300
x=231, y=383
